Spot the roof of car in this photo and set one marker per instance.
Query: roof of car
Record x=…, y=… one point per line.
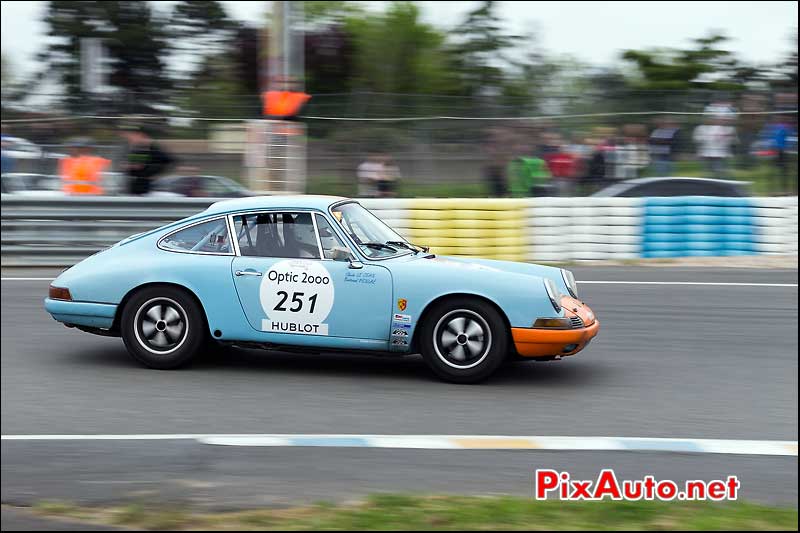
x=305, y=201
x=617, y=188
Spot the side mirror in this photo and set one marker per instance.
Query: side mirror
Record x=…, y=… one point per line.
x=356, y=264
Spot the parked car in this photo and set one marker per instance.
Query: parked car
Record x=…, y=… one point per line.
x=676, y=187
x=26, y=184
x=317, y=273
x=199, y=186
x=20, y=148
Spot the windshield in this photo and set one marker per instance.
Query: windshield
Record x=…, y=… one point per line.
x=368, y=231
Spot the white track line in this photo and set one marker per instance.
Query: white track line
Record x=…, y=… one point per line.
x=709, y=284
x=454, y=442
x=589, y=282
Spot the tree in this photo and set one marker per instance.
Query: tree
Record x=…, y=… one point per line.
x=787, y=68
x=329, y=65
x=707, y=65
x=480, y=57
x=5, y=71
x=398, y=53
x=136, y=44
x=200, y=29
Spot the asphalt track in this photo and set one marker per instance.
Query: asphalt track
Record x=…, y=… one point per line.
x=688, y=361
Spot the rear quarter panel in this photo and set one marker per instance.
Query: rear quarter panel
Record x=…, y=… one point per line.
x=107, y=277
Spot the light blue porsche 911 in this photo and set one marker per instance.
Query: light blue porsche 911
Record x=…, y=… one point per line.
x=317, y=273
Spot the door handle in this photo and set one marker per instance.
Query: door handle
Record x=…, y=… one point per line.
x=248, y=272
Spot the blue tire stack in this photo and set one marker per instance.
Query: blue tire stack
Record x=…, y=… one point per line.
x=696, y=226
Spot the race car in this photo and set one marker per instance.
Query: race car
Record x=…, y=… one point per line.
x=323, y=274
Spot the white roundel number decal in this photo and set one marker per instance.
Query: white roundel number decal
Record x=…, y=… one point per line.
x=297, y=296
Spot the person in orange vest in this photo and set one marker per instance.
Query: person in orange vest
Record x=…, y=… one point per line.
x=81, y=173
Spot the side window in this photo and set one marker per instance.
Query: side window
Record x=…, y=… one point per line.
x=328, y=238
x=288, y=235
x=214, y=186
x=208, y=237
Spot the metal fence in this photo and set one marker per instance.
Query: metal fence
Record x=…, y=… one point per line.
x=442, y=145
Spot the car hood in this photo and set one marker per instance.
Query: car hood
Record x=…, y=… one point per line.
x=494, y=265
x=475, y=266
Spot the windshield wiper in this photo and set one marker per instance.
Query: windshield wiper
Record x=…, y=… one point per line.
x=413, y=247
x=378, y=246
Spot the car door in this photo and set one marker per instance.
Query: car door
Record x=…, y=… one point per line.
x=289, y=284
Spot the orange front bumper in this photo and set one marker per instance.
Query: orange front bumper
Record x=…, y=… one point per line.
x=549, y=342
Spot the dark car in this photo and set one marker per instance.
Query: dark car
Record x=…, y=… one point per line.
x=199, y=186
x=676, y=187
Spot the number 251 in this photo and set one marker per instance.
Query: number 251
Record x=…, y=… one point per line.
x=297, y=302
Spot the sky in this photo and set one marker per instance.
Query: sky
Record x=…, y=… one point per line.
x=592, y=32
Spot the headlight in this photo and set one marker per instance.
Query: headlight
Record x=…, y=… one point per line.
x=552, y=293
x=569, y=280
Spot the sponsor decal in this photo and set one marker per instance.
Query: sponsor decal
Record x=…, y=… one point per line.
x=362, y=278
x=399, y=342
x=401, y=318
x=402, y=303
x=401, y=325
x=399, y=333
x=297, y=296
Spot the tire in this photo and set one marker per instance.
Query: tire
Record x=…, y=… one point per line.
x=463, y=340
x=163, y=327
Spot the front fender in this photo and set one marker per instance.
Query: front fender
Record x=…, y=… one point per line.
x=521, y=296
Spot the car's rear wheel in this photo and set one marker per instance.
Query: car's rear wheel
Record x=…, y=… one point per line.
x=463, y=340
x=163, y=327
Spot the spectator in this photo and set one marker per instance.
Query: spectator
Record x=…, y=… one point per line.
x=6, y=158
x=663, y=142
x=595, y=177
x=499, y=141
x=369, y=174
x=632, y=154
x=388, y=177
x=81, y=173
x=749, y=125
x=779, y=134
x=714, y=141
x=528, y=176
x=145, y=160
x=562, y=165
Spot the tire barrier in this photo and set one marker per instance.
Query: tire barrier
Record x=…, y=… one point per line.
x=491, y=228
x=62, y=231
x=565, y=229
x=695, y=226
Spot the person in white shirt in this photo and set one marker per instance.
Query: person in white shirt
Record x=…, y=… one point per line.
x=369, y=173
x=714, y=141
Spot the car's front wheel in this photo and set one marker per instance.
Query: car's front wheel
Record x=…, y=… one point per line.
x=463, y=340
x=162, y=327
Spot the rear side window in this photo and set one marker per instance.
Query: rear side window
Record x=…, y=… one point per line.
x=206, y=237
x=289, y=235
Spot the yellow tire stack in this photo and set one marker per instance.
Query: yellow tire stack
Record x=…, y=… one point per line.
x=491, y=228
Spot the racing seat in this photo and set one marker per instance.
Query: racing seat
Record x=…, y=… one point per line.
x=268, y=243
x=291, y=246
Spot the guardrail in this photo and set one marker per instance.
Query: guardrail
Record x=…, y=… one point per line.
x=62, y=231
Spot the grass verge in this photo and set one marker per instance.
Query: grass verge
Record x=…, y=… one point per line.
x=399, y=511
